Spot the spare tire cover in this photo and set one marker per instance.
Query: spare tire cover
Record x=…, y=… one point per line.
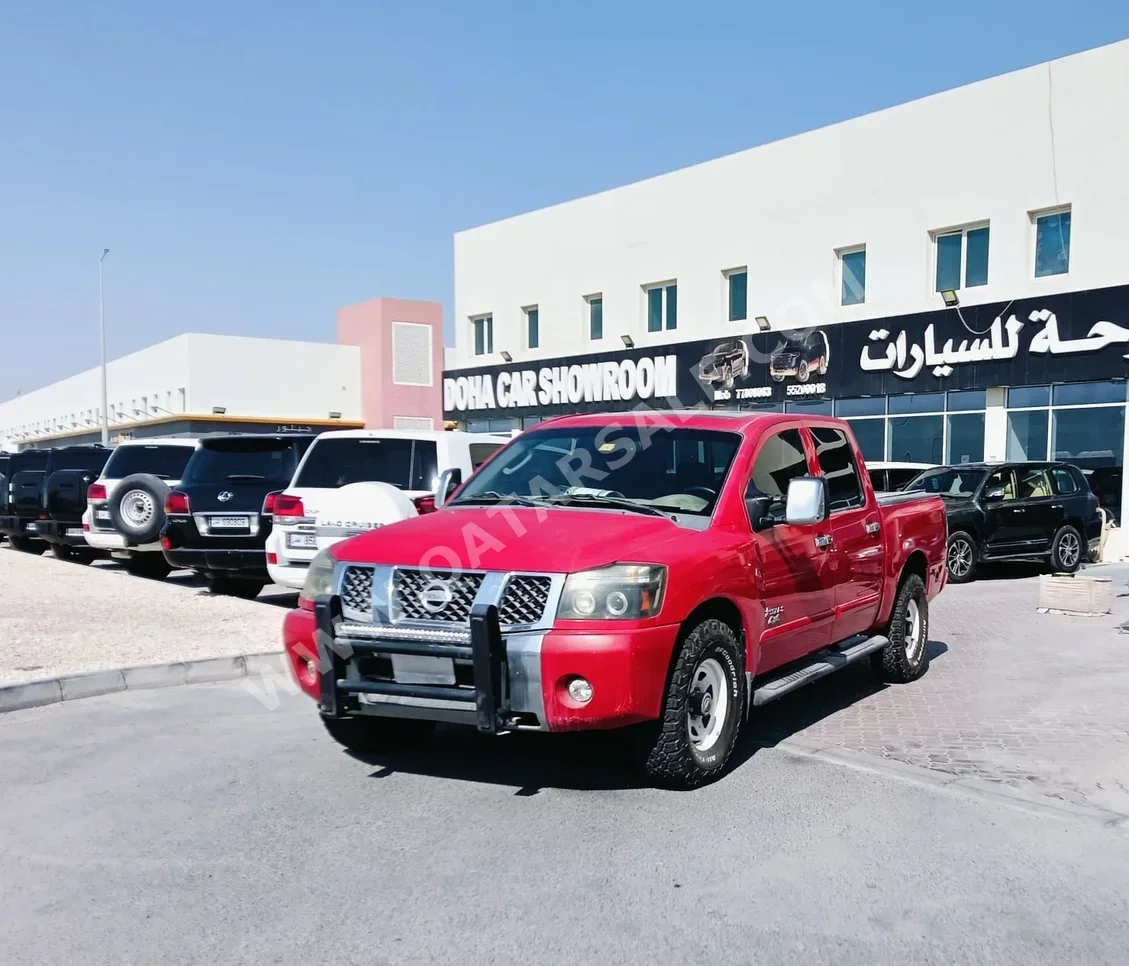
x=358, y=507
x=137, y=509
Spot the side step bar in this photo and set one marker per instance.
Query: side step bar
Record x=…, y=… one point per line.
x=819, y=665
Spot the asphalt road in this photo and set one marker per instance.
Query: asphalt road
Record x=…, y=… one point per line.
x=193, y=825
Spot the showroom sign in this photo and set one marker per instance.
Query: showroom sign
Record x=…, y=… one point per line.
x=1073, y=337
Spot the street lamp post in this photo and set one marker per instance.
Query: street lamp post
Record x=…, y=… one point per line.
x=102, y=330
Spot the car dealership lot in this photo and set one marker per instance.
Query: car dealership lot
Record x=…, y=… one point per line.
x=60, y=618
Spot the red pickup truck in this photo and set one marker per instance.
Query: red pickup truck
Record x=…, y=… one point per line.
x=662, y=570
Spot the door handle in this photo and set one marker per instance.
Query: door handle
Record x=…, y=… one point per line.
x=873, y=527
x=823, y=541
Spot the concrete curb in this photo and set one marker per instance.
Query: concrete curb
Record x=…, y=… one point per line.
x=35, y=694
x=970, y=787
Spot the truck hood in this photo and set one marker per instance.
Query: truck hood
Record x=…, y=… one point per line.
x=564, y=540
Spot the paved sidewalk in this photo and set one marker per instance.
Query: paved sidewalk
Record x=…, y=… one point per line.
x=1035, y=701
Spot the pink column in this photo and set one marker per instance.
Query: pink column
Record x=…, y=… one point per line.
x=401, y=343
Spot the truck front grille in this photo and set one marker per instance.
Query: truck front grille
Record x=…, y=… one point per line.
x=356, y=590
x=524, y=600
x=434, y=596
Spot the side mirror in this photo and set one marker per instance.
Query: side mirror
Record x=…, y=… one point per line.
x=449, y=481
x=760, y=513
x=994, y=495
x=807, y=501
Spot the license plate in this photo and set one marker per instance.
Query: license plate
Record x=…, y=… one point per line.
x=31, y=527
x=302, y=541
x=229, y=523
x=74, y=532
x=101, y=514
x=412, y=669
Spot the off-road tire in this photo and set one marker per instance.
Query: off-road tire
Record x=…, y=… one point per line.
x=229, y=586
x=666, y=753
x=151, y=566
x=962, y=576
x=1065, y=534
x=376, y=736
x=892, y=664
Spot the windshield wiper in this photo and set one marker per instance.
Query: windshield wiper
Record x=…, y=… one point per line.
x=245, y=476
x=491, y=497
x=618, y=503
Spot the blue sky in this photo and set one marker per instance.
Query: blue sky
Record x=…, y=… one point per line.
x=255, y=165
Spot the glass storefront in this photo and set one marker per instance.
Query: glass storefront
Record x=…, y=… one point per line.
x=934, y=427
x=1081, y=423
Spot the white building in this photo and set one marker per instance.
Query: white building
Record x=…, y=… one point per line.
x=195, y=383
x=1010, y=192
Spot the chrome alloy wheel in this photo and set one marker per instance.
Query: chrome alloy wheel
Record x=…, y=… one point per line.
x=1069, y=550
x=959, y=559
x=708, y=708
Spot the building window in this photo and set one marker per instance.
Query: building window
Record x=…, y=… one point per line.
x=1052, y=243
x=737, y=282
x=483, y=335
x=1079, y=423
x=532, y=326
x=852, y=270
x=595, y=317
x=918, y=427
x=961, y=254
x=662, y=307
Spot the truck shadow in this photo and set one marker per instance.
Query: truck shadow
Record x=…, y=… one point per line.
x=601, y=761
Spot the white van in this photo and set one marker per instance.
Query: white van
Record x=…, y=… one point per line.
x=355, y=480
x=126, y=504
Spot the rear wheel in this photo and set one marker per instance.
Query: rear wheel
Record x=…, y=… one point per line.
x=906, y=656
x=960, y=557
x=1066, y=550
x=373, y=736
x=703, y=710
x=234, y=586
x=24, y=545
x=151, y=566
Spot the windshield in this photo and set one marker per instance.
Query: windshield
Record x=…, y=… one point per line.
x=163, y=461
x=406, y=464
x=671, y=470
x=245, y=460
x=949, y=482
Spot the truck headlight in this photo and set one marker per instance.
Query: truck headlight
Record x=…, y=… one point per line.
x=619, y=592
x=319, y=578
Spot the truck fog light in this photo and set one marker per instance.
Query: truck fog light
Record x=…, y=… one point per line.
x=583, y=602
x=617, y=603
x=580, y=690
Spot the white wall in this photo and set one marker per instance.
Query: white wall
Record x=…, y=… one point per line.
x=886, y=180
x=190, y=374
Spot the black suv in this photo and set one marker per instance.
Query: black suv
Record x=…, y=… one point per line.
x=19, y=503
x=218, y=519
x=69, y=472
x=1015, y=511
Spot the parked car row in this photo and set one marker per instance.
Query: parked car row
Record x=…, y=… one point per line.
x=210, y=504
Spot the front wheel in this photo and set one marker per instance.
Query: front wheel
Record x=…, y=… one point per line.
x=1066, y=550
x=960, y=557
x=803, y=371
x=703, y=710
x=906, y=656
x=374, y=736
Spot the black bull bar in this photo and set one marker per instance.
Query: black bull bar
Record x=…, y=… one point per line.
x=487, y=705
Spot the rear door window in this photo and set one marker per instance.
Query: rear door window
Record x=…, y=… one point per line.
x=837, y=464
x=358, y=459
x=1032, y=483
x=481, y=452
x=243, y=459
x=160, y=460
x=425, y=465
x=79, y=458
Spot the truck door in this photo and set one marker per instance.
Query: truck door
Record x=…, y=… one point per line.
x=857, y=549
x=790, y=574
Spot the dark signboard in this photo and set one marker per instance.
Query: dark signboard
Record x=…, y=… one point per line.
x=1072, y=337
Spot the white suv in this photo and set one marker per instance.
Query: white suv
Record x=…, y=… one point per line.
x=354, y=480
x=126, y=504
